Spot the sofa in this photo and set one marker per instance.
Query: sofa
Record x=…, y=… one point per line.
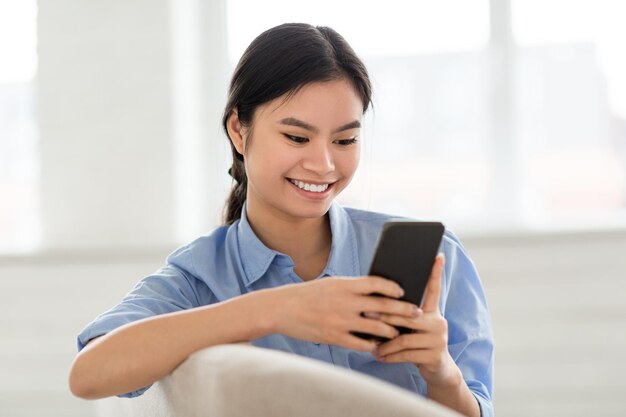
x=241, y=380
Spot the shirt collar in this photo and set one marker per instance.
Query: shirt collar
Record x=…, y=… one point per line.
x=344, y=254
x=256, y=258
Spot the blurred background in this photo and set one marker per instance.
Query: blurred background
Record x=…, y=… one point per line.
x=505, y=119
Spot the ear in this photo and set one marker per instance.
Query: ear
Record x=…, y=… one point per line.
x=236, y=131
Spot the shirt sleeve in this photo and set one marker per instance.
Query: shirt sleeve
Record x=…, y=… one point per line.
x=470, y=338
x=169, y=289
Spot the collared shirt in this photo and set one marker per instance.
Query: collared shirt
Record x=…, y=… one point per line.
x=232, y=261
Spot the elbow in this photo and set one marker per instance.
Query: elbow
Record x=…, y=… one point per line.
x=79, y=390
x=76, y=382
x=79, y=381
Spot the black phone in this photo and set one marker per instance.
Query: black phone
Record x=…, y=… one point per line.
x=405, y=253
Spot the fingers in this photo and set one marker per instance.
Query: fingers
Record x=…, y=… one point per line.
x=409, y=322
x=378, y=305
x=417, y=356
x=424, y=323
x=376, y=328
x=433, y=288
x=354, y=342
x=412, y=341
x=377, y=316
x=383, y=286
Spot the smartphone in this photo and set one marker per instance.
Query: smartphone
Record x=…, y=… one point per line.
x=405, y=253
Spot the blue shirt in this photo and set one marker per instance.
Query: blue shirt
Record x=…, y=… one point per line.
x=232, y=261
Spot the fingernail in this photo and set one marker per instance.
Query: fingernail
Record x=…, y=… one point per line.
x=401, y=292
x=416, y=311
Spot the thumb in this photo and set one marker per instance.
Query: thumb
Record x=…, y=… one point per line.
x=433, y=288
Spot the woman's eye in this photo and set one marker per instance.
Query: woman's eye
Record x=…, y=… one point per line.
x=296, y=139
x=346, y=142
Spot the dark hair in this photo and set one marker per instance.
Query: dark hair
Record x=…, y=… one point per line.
x=281, y=61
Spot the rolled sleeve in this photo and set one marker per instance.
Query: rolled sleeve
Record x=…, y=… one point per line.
x=470, y=338
x=486, y=406
x=168, y=290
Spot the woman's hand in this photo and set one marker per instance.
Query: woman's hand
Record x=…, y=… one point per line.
x=427, y=346
x=327, y=310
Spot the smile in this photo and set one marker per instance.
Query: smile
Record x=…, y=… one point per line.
x=314, y=188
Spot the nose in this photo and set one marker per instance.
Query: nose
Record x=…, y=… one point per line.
x=319, y=158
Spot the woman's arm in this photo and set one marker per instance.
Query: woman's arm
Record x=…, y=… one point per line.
x=139, y=353
x=325, y=311
x=456, y=395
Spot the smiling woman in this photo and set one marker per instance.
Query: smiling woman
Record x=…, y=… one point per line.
x=288, y=269
x=287, y=162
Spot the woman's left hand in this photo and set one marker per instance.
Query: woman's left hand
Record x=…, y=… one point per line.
x=427, y=346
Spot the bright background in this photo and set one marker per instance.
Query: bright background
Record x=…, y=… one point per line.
x=505, y=119
x=503, y=116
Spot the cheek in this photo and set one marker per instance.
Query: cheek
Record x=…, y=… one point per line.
x=349, y=162
x=265, y=166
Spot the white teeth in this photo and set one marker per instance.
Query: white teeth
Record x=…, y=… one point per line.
x=310, y=187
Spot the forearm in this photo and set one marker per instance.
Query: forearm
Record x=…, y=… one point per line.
x=456, y=396
x=140, y=353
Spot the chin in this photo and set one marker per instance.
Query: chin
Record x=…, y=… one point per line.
x=310, y=210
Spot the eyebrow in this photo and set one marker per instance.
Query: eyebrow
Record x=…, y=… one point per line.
x=292, y=121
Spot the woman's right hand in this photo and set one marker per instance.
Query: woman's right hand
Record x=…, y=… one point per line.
x=327, y=310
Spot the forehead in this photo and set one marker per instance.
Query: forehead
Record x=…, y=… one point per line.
x=332, y=102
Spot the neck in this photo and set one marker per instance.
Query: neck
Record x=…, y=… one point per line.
x=306, y=241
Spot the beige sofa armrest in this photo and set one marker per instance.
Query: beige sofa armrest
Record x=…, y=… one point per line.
x=240, y=380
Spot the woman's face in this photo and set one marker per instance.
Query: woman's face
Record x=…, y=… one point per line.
x=303, y=152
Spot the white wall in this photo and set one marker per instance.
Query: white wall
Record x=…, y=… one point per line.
x=558, y=303
x=44, y=302
x=105, y=123
x=129, y=97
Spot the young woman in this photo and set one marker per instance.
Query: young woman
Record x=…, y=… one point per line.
x=286, y=270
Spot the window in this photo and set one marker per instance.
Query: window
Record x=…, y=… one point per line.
x=516, y=126
x=571, y=110
x=19, y=225
x=374, y=29
x=430, y=127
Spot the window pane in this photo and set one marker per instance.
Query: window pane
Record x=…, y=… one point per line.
x=373, y=28
x=19, y=227
x=18, y=40
x=571, y=102
x=425, y=146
